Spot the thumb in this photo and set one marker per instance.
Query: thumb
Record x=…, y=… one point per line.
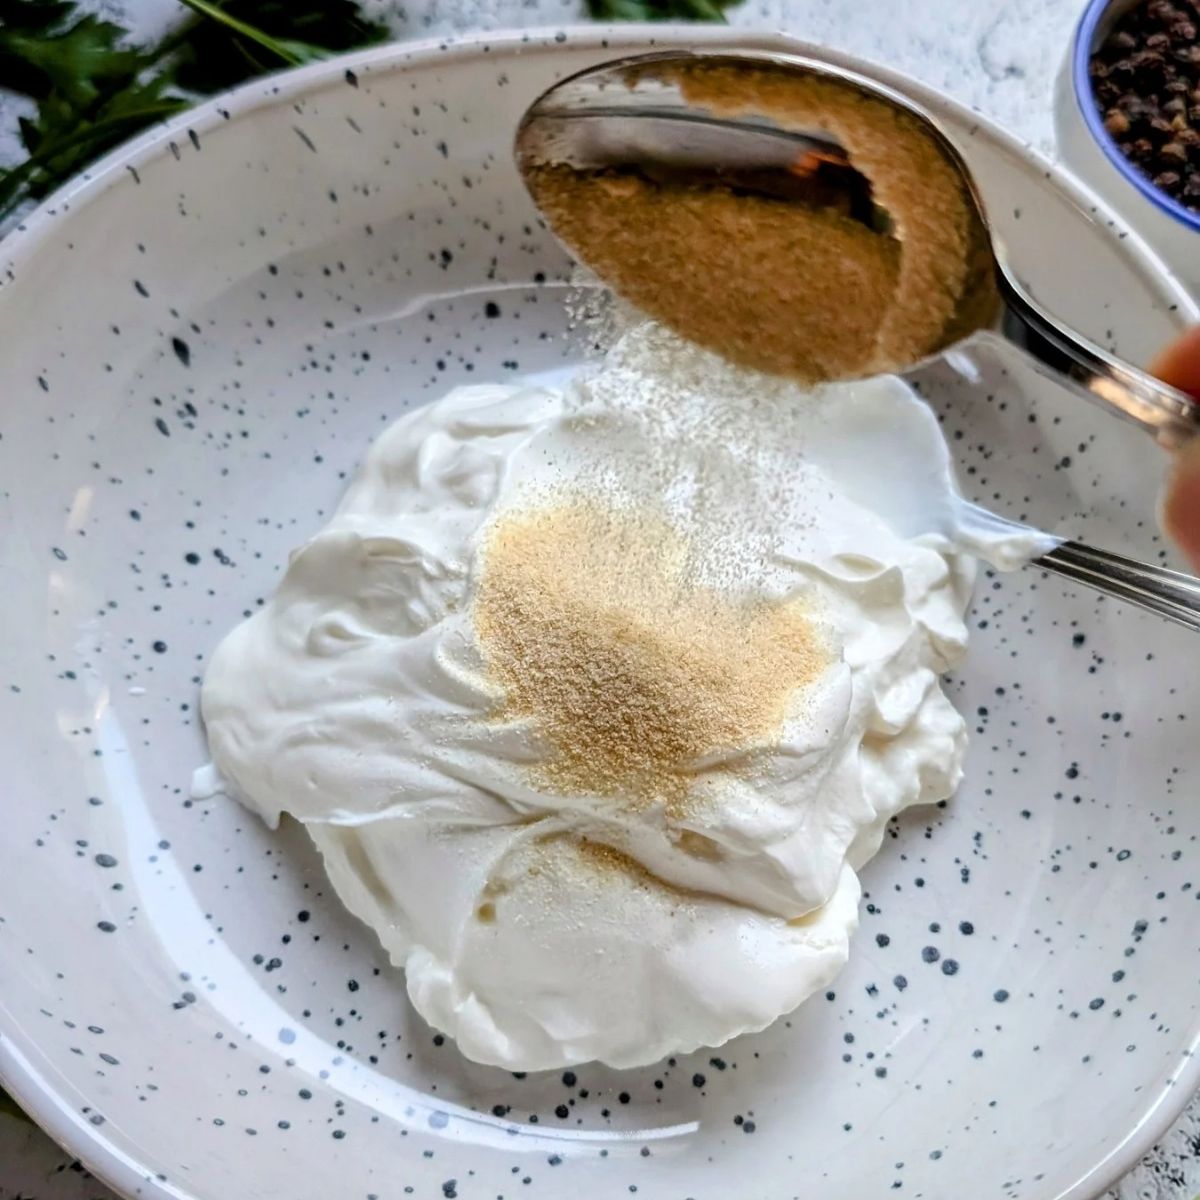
x=1179, y=365
x=1181, y=502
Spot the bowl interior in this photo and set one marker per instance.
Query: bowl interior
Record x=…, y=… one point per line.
x=206, y=337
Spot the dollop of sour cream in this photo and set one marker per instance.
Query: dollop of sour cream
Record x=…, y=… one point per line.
x=545, y=925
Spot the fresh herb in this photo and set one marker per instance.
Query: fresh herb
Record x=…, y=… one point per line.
x=86, y=85
x=225, y=44
x=659, y=10
x=92, y=88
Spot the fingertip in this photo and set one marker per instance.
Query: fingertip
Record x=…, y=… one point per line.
x=1181, y=502
x=1179, y=363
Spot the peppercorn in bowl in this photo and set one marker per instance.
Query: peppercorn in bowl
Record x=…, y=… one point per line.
x=1128, y=118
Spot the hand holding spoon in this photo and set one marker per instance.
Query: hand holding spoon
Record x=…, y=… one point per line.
x=759, y=133
x=722, y=194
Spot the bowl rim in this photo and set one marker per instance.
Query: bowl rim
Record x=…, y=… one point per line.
x=1081, y=53
x=28, y=1080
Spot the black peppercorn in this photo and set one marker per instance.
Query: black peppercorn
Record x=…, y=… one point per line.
x=1116, y=122
x=1145, y=78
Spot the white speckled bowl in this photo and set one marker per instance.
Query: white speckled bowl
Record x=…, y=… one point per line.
x=200, y=340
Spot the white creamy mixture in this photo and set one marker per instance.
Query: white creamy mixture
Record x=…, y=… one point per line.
x=545, y=923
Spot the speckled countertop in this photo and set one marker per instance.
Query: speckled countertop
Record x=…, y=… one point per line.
x=1000, y=56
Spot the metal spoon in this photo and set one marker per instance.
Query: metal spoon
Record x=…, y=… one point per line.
x=632, y=116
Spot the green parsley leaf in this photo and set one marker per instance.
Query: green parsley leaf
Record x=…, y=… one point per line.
x=44, y=53
x=231, y=42
x=93, y=89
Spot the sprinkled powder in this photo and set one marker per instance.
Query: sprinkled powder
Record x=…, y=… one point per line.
x=632, y=671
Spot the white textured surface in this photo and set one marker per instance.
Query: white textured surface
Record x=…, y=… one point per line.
x=1000, y=57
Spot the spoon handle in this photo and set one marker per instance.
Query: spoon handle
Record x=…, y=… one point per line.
x=1171, y=594
x=1170, y=416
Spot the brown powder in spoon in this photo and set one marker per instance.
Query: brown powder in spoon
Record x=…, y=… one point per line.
x=767, y=283
x=782, y=286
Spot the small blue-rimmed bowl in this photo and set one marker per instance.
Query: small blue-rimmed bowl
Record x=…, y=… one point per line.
x=1088, y=148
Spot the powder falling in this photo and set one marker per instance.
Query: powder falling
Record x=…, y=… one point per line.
x=633, y=674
